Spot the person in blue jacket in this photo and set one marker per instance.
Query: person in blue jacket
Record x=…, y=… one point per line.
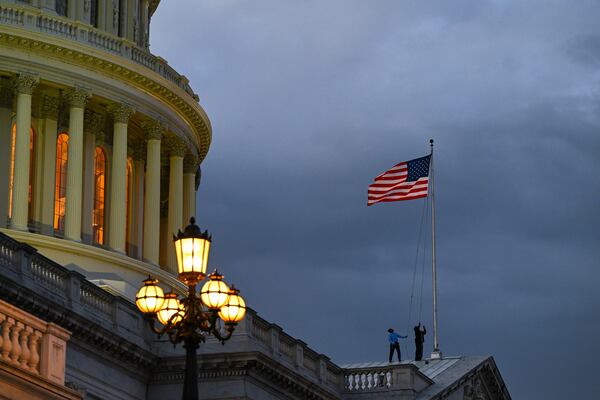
x=394, y=344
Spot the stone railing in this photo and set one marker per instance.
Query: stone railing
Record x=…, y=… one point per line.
x=396, y=380
x=368, y=379
x=65, y=28
x=28, y=343
x=23, y=264
x=293, y=353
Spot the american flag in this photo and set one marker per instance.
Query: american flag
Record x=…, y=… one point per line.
x=405, y=181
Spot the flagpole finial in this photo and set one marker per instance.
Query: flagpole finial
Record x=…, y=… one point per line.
x=431, y=142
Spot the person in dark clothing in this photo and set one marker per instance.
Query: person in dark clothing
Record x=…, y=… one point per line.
x=394, y=344
x=420, y=332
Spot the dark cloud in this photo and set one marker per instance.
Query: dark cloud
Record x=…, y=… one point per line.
x=310, y=100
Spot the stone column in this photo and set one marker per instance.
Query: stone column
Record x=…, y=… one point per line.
x=118, y=178
x=190, y=167
x=177, y=150
x=144, y=29
x=24, y=86
x=151, y=247
x=137, y=231
x=76, y=98
x=6, y=97
x=93, y=124
x=50, y=124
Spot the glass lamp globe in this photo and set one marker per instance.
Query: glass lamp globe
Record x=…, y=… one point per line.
x=192, y=247
x=149, y=299
x=171, y=306
x=215, y=292
x=234, y=309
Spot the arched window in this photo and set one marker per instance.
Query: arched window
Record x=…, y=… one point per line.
x=12, y=170
x=129, y=203
x=60, y=188
x=99, y=195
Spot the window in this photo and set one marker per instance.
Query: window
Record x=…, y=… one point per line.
x=12, y=170
x=61, y=7
x=94, y=13
x=99, y=195
x=60, y=191
x=129, y=203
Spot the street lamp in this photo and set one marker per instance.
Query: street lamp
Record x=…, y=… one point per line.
x=191, y=319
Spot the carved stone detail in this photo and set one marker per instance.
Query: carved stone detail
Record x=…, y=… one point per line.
x=25, y=83
x=93, y=122
x=190, y=164
x=153, y=129
x=138, y=151
x=177, y=146
x=50, y=106
x=77, y=96
x=121, y=112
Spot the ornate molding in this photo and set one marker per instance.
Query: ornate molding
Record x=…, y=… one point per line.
x=160, y=88
x=154, y=129
x=25, y=83
x=77, y=97
x=121, y=112
x=93, y=122
x=138, y=151
x=190, y=164
x=177, y=146
x=50, y=105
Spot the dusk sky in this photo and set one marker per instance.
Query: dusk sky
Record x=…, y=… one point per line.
x=310, y=100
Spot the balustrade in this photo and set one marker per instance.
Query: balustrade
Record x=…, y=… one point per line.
x=368, y=379
x=25, y=343
x=81, y=32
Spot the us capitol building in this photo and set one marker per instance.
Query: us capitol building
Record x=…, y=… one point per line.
x=101, y=144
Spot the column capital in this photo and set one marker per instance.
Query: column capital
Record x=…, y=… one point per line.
x=77, y=96
x=138, y=151
x=154, y=129
x=190, y=163
x=50, y=106
x=93, y=122
x=121, y=112
x=6, y=93
x=177, y=146
x=25, y=83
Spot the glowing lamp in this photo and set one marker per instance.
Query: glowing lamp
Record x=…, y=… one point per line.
x=149, y=299
x=234, y=309
x=192, y=247
x=171, y=311
x=215, y=292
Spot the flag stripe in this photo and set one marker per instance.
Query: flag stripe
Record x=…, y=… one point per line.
x=393, y=184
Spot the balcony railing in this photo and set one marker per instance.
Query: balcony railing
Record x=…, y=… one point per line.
x=30, y=344
x=37, y=21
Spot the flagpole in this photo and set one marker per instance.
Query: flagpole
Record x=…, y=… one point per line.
x=436, y=354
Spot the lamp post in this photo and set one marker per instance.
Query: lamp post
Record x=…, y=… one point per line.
x=191, y=319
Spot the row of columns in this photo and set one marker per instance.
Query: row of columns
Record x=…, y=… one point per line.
x=181, y=200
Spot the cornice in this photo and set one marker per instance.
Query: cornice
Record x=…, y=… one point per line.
x=122, y=69
x=252, y=364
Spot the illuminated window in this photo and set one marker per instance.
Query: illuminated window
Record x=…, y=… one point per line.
x=60, y=188
x=12, y=170
x=128, y=212
x=99, y=195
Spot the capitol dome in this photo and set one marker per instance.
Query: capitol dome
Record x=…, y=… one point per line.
x=100, y=140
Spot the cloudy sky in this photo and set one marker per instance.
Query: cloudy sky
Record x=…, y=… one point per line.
x=309, y=100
